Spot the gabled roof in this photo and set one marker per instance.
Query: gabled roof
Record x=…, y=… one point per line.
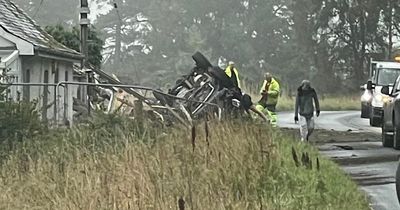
x=16, y=22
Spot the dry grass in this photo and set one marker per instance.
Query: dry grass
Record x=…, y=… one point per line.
x=327, y=103
x=215, y=166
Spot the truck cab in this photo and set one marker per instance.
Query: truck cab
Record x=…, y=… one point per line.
x=381, y=74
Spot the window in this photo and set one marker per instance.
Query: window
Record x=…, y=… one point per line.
x=387, y=76
x=45, y=95
x=54, y=70
x=27, y=89
x=66, y=76
x=66, y=97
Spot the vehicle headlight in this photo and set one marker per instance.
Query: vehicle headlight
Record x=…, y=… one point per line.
x=385, y=99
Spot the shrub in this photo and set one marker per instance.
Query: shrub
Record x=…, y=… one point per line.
x=19, y=120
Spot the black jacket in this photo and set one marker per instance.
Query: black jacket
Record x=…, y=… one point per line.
x=304, y=102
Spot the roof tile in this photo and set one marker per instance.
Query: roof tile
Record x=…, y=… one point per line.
x=15, y=21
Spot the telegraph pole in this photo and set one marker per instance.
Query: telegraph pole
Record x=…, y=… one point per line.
x=84, y=22
x=118, y=39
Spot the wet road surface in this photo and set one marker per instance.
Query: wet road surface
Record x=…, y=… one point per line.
x=337, y=121
x=366, y=161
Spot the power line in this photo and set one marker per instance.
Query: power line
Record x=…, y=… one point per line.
x=38, y=9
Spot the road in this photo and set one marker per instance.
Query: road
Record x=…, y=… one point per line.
x=338, y=121
x=366, y=161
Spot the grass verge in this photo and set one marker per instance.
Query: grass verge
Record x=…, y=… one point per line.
x=328, y=103
x=122, y=165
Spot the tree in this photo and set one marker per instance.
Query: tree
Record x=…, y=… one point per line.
x=151, y=41
x=70, y=37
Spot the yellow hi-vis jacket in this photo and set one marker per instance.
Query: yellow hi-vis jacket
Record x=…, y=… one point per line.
x=228, y=71
x=273, y=91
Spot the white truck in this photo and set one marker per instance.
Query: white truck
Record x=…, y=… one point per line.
x=382, y=73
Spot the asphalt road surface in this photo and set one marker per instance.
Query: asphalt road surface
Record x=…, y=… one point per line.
x=366, y=161
x=338, y=121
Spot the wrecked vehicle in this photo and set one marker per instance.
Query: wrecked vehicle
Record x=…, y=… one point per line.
x=205, y=92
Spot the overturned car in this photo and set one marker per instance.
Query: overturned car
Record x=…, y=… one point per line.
x=206, y=91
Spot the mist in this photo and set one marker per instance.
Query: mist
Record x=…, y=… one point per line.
x=150, y=42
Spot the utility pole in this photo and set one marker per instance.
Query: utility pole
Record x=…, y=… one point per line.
x=118, y=39
x=84, y=22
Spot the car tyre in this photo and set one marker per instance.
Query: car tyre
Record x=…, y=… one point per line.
x=364, y=111
x=374, y=122
x=387, y=140
x=201, y=61
x=396, y=138
x=221, y=76
x=398, y=182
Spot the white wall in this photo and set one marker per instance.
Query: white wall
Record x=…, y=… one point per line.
x=38, y=67
x=6, y=43
x=66, y=102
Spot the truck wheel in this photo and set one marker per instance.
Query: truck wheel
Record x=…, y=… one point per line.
x=364, y=111
x=396, y=138
x=387, y=140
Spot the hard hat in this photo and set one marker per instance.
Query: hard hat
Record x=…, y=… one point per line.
x=231, y=63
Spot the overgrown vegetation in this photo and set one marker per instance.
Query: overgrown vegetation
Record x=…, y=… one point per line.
x=70, y=37
x=327, y=103
x=18, y=120
x=114, y=163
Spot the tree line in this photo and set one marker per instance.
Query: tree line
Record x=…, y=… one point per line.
x=328, y=42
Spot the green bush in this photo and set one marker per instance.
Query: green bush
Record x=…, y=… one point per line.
x=19, y=120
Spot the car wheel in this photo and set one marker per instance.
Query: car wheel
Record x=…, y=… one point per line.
x=221, y=76
x=364, y=111
x=201, y=61
x=387, y=140
x=374, y=122
x=398, y=182
x=396, y=138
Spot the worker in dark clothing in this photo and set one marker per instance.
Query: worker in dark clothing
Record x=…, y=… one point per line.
x=233, y=73
x=247, y=104
x=306, y=95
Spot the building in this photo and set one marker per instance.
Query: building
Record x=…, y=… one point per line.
x=30, y=55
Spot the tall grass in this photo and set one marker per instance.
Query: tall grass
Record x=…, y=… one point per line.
x=327, y=103
x=121, y=165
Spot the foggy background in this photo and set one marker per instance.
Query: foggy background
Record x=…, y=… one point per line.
x=150, y=42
